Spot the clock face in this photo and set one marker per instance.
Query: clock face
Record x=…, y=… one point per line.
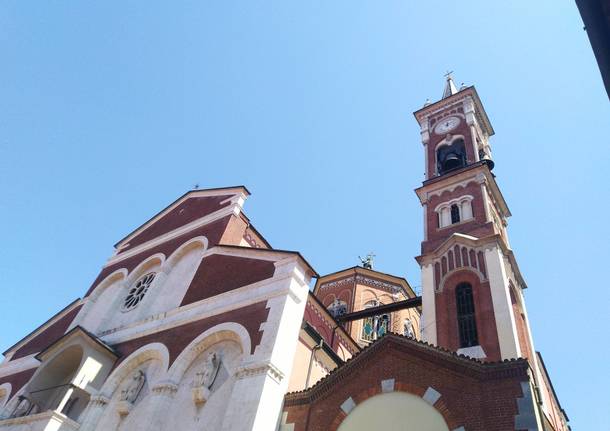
x=446, y=125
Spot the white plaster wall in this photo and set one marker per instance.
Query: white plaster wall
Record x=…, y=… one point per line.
x=394, y=411
x=300, y=368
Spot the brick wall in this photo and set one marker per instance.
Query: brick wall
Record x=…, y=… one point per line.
x=474, y=395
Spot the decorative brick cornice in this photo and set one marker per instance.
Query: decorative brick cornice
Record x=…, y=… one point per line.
x=365, y=281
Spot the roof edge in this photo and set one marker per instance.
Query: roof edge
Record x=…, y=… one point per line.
x=176, y=201
x=49, y=321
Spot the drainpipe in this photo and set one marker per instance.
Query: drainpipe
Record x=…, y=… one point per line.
x=311, y=358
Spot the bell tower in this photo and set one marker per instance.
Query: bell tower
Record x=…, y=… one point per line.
x=472, y=287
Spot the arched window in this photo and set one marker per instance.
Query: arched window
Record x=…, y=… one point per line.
x=375, y=326
x=454, y=211
x=455, y=214
x=467, y=325
x=449, y=157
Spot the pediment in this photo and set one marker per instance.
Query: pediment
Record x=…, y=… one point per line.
x=190, y=207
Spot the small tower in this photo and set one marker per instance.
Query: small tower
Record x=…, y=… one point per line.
x=472, y=287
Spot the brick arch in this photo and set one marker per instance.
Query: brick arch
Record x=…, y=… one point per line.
x=446, y=313
x=345, y=295
x=328, y=299
x=399, y=386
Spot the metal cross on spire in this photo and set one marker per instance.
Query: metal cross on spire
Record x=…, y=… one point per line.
x=450, y=88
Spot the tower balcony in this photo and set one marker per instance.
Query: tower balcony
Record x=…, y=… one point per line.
x=71, y=369
x=54, y=408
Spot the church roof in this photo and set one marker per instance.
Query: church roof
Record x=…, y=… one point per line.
x=426, y=351
x=348, y=272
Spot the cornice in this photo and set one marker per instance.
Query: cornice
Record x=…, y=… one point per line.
x=367, y=274
x=462, y=96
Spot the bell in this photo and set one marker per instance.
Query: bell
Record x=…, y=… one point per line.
x=490, y=163
x=452, y=161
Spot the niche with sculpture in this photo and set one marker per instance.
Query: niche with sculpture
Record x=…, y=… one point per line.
x=205, y=378
x=130, y=394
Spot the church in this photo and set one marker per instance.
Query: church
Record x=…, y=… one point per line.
x=196, y=323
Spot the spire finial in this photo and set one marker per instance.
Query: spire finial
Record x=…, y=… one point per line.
x=450, y=89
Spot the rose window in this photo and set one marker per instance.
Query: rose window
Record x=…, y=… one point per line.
x=137, y=292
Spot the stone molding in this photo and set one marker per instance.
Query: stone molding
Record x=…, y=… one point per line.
x=165, y=388
x=256, y=369
x=98, y=401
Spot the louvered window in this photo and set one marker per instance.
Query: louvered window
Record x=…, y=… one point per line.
x=455, y=214
x=467, y=325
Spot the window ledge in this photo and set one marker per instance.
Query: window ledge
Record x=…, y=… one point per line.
x=456, y=224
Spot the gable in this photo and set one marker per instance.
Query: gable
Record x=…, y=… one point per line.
x=48, y=335
x=189, y=210
x=221, y=273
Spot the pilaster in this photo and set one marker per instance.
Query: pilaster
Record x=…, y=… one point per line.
x=428, y=304
x=260, y=382
x=503, y=310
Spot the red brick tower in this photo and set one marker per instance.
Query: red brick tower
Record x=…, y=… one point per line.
x=472, y=287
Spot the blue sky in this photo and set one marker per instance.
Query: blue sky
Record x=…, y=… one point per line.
x=111, y=110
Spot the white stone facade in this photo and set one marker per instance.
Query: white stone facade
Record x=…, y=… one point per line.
x=153, y=387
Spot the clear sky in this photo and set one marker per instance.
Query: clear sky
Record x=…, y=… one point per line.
x=111, y=110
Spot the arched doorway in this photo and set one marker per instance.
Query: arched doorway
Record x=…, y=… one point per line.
x=394, y=411
x=52, y=386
